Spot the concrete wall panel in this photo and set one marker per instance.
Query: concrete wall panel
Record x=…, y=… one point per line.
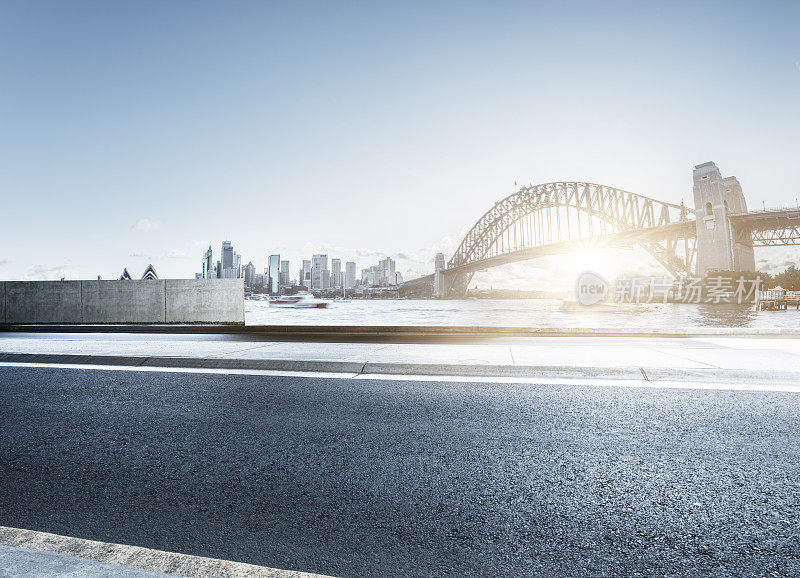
x=43, y=301
x=123, y=301
x=205, y=300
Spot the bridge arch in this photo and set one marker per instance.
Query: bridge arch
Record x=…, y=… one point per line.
x=561, y=216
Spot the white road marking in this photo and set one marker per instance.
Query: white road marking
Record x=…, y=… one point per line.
x=611, y=381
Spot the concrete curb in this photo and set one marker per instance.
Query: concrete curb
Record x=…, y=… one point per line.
x=138, y=557
x=619, y=373
x=389, y=332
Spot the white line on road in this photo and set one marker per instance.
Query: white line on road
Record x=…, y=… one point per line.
x=611, y=381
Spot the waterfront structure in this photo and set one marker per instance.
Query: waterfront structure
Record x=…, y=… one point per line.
x=715, y=198
x=150, y=274
x=438, y=276
x=562, y=217
x=125, y=275
x=274, y=271
x=349, y=275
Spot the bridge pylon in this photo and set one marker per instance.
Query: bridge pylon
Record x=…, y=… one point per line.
x=718, y=244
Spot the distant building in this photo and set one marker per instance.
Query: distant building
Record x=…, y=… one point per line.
x=274, y=271
x=381, y=275
x=208, y=265
x=231, y=262
x=125, y=275
x=284, y=278
x=336, y=273
x=227, y=255
x=438, y=276
x=249, y=274
x=150, y=274
x=319, y=265
x=305, y=274
x=349, y=275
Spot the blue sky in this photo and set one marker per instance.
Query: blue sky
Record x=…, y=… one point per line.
x=143, y=131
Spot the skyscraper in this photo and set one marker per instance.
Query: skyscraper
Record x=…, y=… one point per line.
x=336, y=273
x=319, y=264
x=305, y=274
x=227, y=255
x=249, y=274
x=208, y=265
x=349, y=275
x=284, y=280
x=274, y=273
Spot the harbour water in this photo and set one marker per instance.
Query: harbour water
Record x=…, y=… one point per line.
x=549, y=313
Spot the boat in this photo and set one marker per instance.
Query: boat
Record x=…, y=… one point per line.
x=299, y=300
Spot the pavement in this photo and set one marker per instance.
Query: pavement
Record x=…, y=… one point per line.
x=384, y=477
x=723, y=360
x=32, y=553
x=25, y=563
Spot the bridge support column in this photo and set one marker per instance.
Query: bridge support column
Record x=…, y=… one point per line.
x=450, y=283
x=718, y=247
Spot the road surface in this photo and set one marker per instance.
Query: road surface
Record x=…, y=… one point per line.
x=359, y=477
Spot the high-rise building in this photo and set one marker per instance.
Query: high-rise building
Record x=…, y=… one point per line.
x=349, y=275
x=381, y=275
x=227, y=255
x=319, y=264
x=249, y=274
x=231, y=262
x=336, y=273
x=219, y=269
x=438, y=276
x=305, y=274
x=274, y=272
x=208, y=265
x=284, y=280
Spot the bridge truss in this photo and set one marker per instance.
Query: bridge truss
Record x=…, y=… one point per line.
x=772, y=228
x=555, y=217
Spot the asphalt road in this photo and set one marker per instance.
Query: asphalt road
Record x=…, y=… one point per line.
x=368, y=478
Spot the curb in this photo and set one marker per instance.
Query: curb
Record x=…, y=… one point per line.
x=621, y=373
x=389, y=332
x=138, y=557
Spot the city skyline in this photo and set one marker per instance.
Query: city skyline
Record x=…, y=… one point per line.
x=211, y=125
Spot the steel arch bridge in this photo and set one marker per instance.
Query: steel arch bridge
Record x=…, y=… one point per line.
x=562, y=217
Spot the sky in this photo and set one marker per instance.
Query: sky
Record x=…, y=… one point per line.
x=143, y=132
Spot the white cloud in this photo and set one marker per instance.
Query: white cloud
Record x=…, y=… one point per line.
x=146, y=225
x=41, y=273
x=177, y=254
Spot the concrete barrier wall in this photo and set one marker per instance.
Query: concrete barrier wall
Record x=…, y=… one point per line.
x=43, y=301
x=205, y=300
x=156, y=301
x=123, y=301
